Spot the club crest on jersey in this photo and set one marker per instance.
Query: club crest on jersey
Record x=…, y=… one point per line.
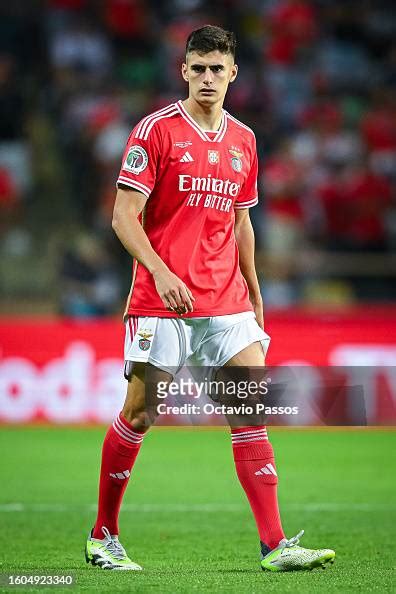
x=236, y=161
x=213, y=157
x=236, y=164
x=144, y=342
x=136, y=160
x=235, y=152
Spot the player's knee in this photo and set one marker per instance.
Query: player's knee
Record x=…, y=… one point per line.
x=139, y=419
x=141, y=402
x=139, y=413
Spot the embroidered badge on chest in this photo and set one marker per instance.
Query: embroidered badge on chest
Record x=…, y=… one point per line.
x=236, y=164
x=236, y=161
x=213, y=157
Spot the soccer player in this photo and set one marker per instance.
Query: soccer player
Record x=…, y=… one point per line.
x=187, y=181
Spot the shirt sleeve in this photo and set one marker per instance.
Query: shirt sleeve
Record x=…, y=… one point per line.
x=140, y=162
x=248, y=195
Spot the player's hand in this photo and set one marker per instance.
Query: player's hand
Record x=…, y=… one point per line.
x=174, y=293
x=257, y=303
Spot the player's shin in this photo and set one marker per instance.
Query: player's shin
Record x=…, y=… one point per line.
x=120, y=449
x=256, y=470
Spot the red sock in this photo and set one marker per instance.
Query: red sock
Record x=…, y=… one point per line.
x=255, y=466
x=120, y=449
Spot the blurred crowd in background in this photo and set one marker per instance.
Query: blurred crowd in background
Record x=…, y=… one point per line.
x=317, y=83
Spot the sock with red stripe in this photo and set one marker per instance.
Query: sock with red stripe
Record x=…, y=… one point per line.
x=255, y=466
x=120, y=449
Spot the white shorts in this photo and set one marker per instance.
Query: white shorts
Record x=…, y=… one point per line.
x=171, y=343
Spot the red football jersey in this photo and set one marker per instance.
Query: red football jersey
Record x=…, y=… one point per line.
x=193, y=180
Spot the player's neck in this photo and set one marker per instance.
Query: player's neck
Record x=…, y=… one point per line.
x=207, y=117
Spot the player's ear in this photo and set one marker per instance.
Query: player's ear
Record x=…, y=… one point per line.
x=234, y=72
x=184, y=71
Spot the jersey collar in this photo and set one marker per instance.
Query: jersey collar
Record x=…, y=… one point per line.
x=220, y=133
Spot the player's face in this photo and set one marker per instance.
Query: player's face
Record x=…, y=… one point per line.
x=208, y=76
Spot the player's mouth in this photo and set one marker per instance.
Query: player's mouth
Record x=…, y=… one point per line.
x=207, y=91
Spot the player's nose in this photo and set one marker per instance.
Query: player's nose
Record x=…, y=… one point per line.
x=208, y=79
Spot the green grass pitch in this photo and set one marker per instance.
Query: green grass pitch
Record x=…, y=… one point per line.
x=185, y=517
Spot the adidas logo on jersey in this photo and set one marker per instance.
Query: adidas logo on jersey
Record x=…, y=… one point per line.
x=186, y=158
x=267, y=469
x=120, y=475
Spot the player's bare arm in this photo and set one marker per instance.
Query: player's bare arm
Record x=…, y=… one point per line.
x=173, y=292
x=244, y=236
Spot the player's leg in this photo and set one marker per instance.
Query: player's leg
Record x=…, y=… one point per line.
x=256, y=470
x=120, y=450
x=254, y=459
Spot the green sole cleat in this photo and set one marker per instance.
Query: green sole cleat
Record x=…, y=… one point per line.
x=288, y=556
x=108, y=553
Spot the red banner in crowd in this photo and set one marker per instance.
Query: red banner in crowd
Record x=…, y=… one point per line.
x=64, y=371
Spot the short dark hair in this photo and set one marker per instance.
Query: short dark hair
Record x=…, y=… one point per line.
x=211, y=38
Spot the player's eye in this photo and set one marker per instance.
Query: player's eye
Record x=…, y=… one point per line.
x=197, y=68
x=217, y=68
